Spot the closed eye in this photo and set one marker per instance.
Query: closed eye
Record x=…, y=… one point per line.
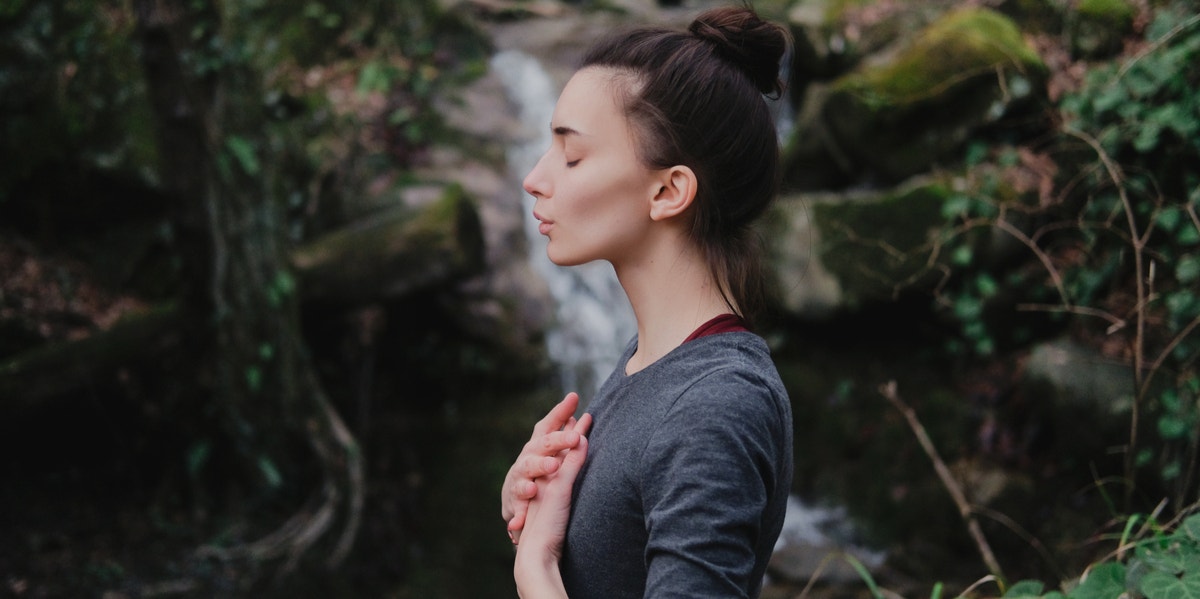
x=572, y=163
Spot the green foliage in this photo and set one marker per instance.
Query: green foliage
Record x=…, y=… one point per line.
x=71, y=89
x=1123, y=245
x=1142, y=115
x=1145, y=108
x=1164, y=566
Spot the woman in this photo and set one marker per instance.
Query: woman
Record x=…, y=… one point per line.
x=663, y=154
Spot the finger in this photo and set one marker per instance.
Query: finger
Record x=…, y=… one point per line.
x=558, y=415
x=584, y=425
x=547, y=445
x=515, y=526
x=524, y=490
x=515, y=495
x=573, y=463
x=517, y=523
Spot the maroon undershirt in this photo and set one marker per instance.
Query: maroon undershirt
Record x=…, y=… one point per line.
x=725, y=323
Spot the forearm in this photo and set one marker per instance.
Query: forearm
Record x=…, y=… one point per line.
x=537, y=576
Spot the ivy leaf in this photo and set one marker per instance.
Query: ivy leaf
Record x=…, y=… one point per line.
x=270, y=472
x=1026, y=589
x=1188, y=236
x=1143, y=81
x=1110, y=98
x=254, y=377
x=1181, y=302
x=1191, y=527
x=1172, y=427
x=986, y=285
x=1173, y=560
x=1147, y=138
x=961, y=256
x=243, y=151
x=1158, y=585
x=1188, y=268
x=968, y=308
x=197, y=456
x=1103, y=582
x=1169, y=219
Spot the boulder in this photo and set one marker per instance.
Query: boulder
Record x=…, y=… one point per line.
x=802, y=283
x=891, y=119
x=833, y=251
x=390, y=255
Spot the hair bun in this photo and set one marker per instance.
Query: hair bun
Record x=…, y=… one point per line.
x=741, y=37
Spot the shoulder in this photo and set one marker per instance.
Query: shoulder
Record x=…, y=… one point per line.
x=733, y=369
x=725, y=386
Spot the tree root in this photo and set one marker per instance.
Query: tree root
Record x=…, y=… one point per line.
x=343, y=490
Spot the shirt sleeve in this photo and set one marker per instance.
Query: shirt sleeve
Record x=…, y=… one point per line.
x=707, y=476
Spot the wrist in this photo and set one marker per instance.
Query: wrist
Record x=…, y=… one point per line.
x=537, y=576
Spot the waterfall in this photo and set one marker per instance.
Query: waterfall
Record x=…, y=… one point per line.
x=593, y=319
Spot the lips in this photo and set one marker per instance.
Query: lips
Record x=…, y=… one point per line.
x=544, y=225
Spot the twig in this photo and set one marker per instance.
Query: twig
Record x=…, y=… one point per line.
x=1025, y=536
x=816, y=575
x=1158, y=43
x=1191, y=210
x=1116, y=323
x=981, y=582
x=1007, y=227
x=1138, y=245
x=1166, y=352
x=888, y=390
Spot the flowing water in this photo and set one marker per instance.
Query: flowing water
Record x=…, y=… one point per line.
x=593, y=319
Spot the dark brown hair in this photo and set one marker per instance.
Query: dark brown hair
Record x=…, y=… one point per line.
x=695, y=98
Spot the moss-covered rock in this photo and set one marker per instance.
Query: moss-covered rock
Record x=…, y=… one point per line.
x=837, y=251
x=967, y=70
x=879, y=244
x=394, y=254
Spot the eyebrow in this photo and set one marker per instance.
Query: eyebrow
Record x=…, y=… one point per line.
x=564, y=131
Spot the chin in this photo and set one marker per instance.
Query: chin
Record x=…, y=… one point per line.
x=560, y=259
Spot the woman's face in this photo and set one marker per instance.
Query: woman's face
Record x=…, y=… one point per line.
x=592, y=194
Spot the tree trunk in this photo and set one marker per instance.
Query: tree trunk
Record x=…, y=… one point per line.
x=239, y=303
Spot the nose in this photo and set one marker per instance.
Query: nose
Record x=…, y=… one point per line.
x=536, y=183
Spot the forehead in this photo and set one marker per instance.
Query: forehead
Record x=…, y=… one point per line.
x=588, y=103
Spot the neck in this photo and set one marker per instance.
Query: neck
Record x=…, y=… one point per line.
x=672, y=294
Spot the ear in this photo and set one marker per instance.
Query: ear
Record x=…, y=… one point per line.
x=677, y=189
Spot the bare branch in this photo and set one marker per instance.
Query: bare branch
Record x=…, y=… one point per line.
x=1044, y=258
x=888, y=390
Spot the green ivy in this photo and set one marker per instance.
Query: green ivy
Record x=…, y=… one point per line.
x=1141, y=113
x=1164, y=566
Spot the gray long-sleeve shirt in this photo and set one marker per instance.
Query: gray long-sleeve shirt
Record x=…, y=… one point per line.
x=686, y=481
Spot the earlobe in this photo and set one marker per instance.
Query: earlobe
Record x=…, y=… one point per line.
x=676, y=192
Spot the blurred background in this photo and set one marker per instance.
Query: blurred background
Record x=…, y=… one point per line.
x=274, y=320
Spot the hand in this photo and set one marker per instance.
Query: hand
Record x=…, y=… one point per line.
x=536, y=566
x=552, y=436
